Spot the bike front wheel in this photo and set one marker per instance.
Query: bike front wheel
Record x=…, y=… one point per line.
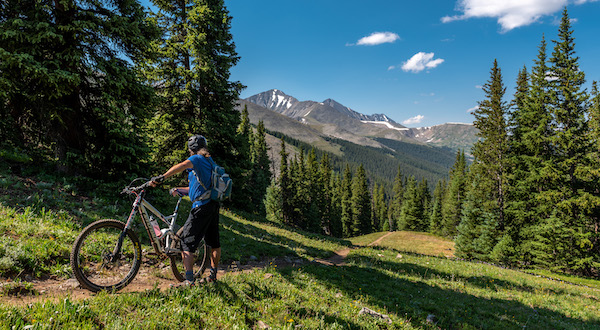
x=105, y=256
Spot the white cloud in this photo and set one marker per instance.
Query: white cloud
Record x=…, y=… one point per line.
x=510, y=13
x=378, y=38
x=421, y=61
x=472, y=109
x=413, y=120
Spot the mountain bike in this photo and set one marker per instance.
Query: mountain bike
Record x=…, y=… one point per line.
x=107, y=254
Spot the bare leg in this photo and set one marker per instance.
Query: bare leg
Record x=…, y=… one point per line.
x=215, y=257
x=188, y=260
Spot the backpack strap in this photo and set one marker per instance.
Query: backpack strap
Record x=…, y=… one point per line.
x=206, y=194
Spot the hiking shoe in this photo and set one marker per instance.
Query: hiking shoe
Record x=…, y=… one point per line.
x=183, y=284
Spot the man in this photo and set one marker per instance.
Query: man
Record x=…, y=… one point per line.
x=203, y=221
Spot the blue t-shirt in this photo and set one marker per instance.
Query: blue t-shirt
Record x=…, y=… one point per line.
x=203, y=167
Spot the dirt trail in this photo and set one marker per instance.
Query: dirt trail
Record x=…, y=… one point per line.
x=377, y=241
x=148, y=278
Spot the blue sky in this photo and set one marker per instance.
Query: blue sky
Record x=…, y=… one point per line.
x=422, y=63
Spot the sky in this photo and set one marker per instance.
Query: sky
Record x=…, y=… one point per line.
x=422, y=63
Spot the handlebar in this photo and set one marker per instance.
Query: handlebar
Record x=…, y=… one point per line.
x=134, y=189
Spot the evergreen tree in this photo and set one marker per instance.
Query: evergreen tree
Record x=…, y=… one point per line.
x=569, y=190
x=286, y=192
x=191, y=76
x=380, y=211
x=274, y=203
x=489, y=171
x=69, y=83
x=324, y=200
x=337, y=228
x=594, y=171
x=315, y=191
x=530, y=155
x=346, y=203
x=411, y=212
x=424, y=198
x=435, y=219
x=398, y=195
x=454, y=196
x=491, y=151
x=360, y=203
x=469, y=229
x=244, y=185
x=261, y=167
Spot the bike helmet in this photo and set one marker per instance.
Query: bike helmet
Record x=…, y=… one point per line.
x=197, y=142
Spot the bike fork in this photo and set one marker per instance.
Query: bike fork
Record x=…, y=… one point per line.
x=117, y=249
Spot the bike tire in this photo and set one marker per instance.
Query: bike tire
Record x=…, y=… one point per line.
x=92, y=249
x=201, y=262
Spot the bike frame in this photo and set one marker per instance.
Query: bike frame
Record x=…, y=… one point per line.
x=142, y=206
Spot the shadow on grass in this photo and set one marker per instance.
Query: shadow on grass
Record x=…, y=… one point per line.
x=240, y=241
x=415, y=300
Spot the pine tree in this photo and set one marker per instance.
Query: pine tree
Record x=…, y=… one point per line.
x=454, y=196
x=424, y=198
x=380, y=213
x=570, y=188
x=69, y=83
x=469, y=229
x=491, y=151
x=244, y=185
x=530, y=155
x=396, y=204
x=314, y=194
x=489, y=171
x=261, y=167
x=274, y=203
x=191, y=76
x=435, y=219
x=346, y=203
x=594, y=171
x=411, y=212
x=361, y=203
x=337, y=228
x=325, y=198
x=285, y=186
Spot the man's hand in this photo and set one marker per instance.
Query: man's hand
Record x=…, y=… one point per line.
x=155, y=181
x=180, y=191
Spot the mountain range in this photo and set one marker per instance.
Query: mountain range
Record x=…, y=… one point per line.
x=332, y=119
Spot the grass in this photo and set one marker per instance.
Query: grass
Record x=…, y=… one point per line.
x=407, y=277
x=407, y=241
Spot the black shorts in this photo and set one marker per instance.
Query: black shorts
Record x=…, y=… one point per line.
x=203, y=222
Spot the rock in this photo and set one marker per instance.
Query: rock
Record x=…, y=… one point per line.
x=262, y=325
x=268, y=275
x=253, y=258
x=399, y=256
x=70, y=284
x=431, y=319
x=372, y=313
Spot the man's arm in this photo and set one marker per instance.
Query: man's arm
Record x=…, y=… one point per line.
x=176, y=169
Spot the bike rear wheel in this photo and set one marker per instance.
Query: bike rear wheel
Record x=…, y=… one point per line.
x=93, y=258
x=201, y=261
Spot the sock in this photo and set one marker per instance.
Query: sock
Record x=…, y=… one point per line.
x=189, y=275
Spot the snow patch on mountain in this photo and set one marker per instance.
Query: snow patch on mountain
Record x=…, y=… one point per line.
x=386, y=124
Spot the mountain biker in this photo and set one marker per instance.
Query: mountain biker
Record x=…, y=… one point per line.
x=203, y=221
